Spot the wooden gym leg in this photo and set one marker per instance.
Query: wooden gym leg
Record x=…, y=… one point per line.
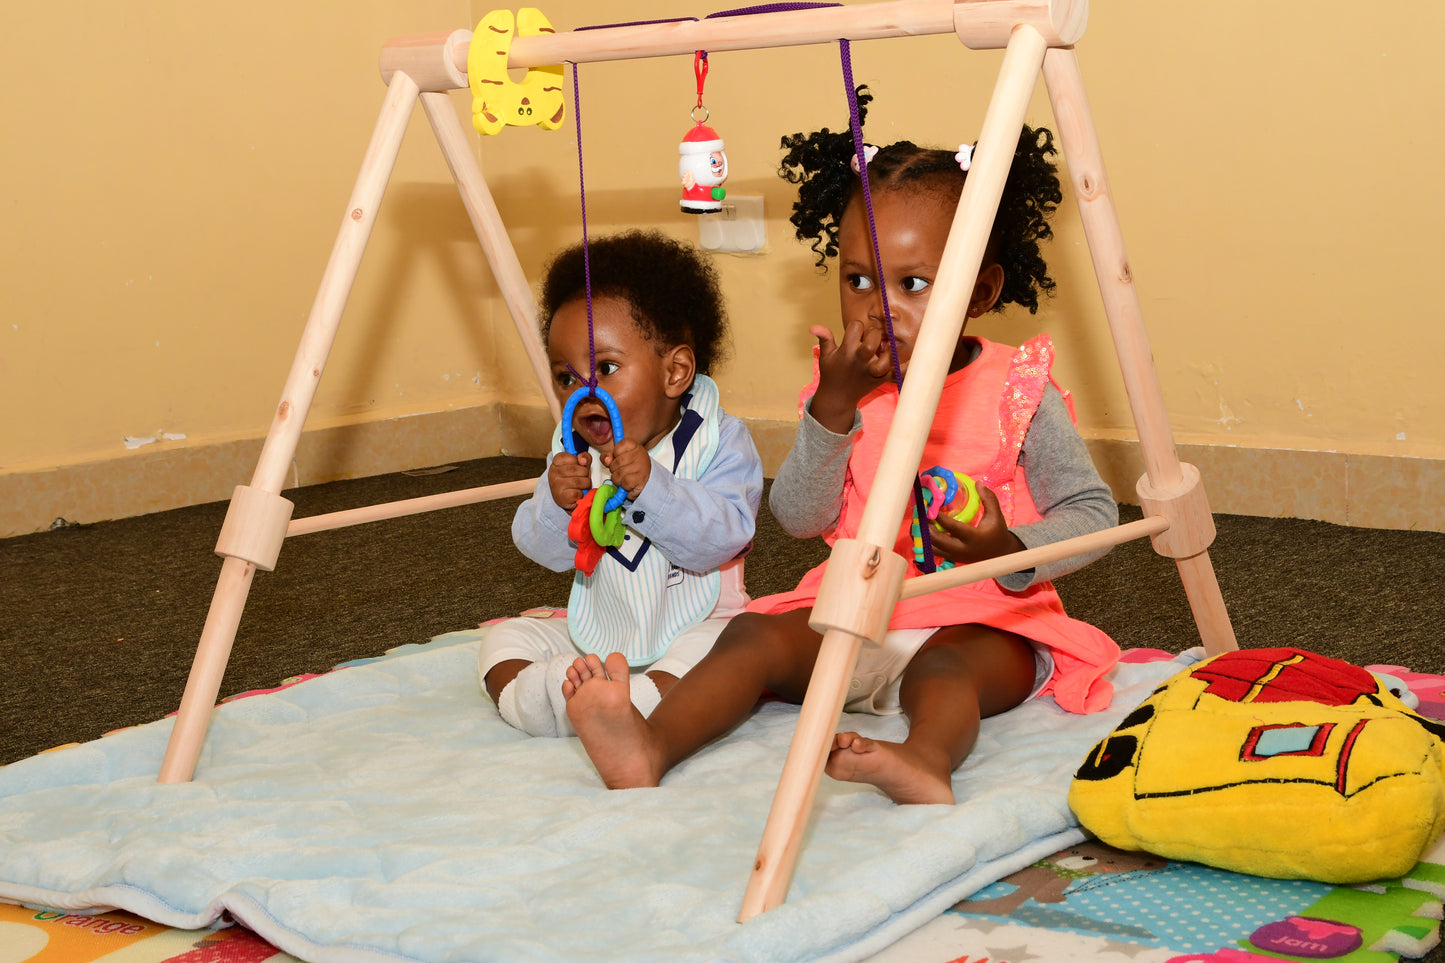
x=492, y=234
x=845, y=601
x=1191, y=524
x=254, y=520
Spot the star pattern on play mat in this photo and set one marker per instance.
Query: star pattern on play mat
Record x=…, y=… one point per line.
x=1015, y=952
x=980, y=925
x=1020, y=953
x=1128, y=950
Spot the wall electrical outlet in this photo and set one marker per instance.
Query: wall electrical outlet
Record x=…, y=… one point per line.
x=737, y=228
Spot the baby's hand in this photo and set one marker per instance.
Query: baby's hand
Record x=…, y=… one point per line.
x=962, y=542
x=569, y=477
x=630, y=466
x=847, y=371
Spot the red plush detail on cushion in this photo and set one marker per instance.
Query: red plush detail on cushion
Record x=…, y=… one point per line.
x=1285, y=675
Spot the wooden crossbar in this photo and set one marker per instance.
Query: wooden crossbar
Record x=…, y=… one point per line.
x=979, y=24
x=1030, y=558
x=408, y=506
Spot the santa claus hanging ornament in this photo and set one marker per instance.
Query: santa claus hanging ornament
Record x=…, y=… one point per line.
x=701, y=164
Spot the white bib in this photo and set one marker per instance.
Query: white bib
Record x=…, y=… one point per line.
x=636, y=601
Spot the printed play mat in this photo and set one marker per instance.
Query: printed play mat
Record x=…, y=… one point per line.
x=1096, y=903
x=1076, y=899
x=1088, y=902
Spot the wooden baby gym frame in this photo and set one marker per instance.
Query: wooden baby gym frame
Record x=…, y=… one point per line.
x=865, y=578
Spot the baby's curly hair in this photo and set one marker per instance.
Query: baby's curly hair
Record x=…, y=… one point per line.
x=819, y=163
x=674, y=292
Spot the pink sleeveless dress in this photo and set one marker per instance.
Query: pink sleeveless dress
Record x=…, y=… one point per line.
x=983, y=415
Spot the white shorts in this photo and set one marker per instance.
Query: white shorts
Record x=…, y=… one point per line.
x=879, y=672
x=538, y=640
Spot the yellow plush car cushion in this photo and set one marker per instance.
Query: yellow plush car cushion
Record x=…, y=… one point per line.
x=1275, y=762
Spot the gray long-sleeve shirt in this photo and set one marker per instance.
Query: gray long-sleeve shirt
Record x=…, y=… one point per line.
x=698, y=525
x=1072, y=499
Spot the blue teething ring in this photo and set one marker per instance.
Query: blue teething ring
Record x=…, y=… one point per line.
x=956, y=482
x=570, y=443
x=949, y=480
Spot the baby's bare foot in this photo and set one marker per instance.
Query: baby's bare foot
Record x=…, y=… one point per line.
x=615, y=735
x=904, y=774
x=580, y=671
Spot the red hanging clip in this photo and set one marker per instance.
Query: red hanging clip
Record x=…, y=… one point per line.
x=699, y=70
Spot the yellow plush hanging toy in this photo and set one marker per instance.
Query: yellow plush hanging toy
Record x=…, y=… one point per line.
x=497, y=100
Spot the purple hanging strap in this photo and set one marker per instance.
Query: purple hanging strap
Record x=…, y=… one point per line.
x=632, y=23
x=591, y=380
x=770, y=8
x=855, y=124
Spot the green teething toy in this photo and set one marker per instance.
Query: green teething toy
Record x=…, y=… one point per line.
x=971, y=503
x=607, y=527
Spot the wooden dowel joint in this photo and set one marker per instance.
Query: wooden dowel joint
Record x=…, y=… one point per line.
x=987, y=24
x=1191, y=524
x=428, y=59
x=255, y=526
x=859, y=587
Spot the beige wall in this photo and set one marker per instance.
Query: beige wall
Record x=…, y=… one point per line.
x=1268, y=194
x=175, y=174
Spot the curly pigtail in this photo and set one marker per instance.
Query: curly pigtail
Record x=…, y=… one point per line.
x=1030, y=196
x=819, y=164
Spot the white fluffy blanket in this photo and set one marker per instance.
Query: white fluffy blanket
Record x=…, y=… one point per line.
x=385, y=812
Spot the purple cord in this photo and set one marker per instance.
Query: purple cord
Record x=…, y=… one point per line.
x=591, y=380
x=855, y=124
x=632, y=23
x=769, y=8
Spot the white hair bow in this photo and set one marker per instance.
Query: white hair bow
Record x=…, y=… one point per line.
x=868, y=151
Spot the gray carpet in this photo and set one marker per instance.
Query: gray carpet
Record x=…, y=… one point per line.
x=98, y=623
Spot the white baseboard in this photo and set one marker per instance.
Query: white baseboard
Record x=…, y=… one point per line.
x=1364, y=491
x=169, y=475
